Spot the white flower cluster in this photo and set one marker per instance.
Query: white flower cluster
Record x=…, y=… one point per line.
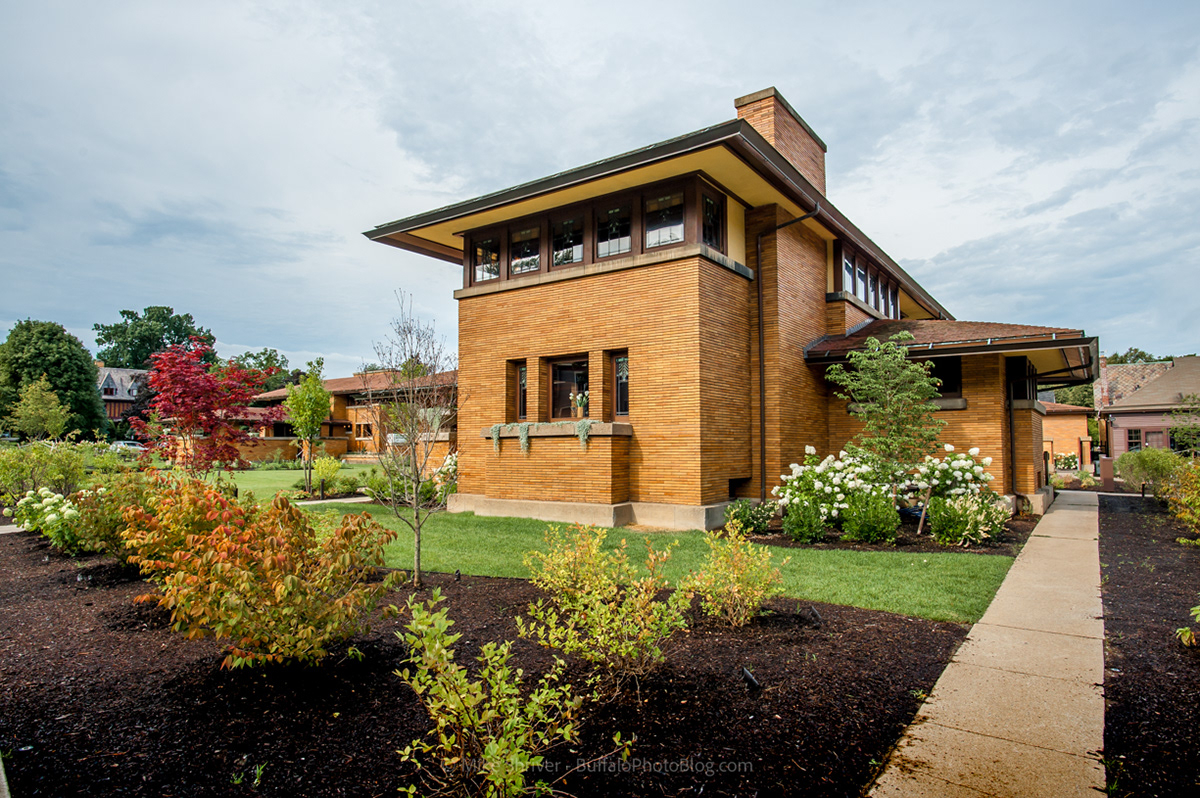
x=827, y=483
x=956, y=474
x=41, y=511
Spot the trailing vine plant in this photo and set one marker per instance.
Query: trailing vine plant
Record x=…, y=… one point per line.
x=523, y=436
x=496, y=436
x=583, y=428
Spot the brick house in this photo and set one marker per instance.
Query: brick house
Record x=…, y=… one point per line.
x=697, y=289
x=1137, y=399
x=1065, y=431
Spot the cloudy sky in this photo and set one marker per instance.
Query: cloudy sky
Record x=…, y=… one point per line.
x=1026, y=162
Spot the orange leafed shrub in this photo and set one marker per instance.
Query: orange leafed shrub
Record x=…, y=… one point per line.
x=263, y=578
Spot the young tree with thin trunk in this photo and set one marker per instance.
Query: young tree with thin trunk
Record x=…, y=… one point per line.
x=894, y=398
x=413, y=412
x=307, y=407
x=38, y=413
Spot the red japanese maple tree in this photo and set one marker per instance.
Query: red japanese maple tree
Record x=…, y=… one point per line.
x=195, y=414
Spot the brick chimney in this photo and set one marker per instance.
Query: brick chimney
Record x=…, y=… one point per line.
x=777, y=122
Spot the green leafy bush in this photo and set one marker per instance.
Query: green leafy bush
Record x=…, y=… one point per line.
x=60, y=467
x=102, y=512
x=1184, y=493
x=326, y=468
x=1153, y=467
x=870, y=516
x=803, y=523
x=600, y=610
x=486, y=734
x=966, y=520
x=752, y=518
x=736, y=577
x=1185, y=633
x=261, y=577
x=51, y=515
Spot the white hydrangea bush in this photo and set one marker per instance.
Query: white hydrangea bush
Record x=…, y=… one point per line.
x=828, y=483
x=50, y=514
x=956, y=474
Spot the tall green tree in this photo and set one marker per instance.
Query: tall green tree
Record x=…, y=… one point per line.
x=1078, y=395
x=1134, y=355
x=1185, y=426
x=38, y=413
x=36, y=348
x=894, y=398
x=269, y=361
x=129, y=343
x=307, y=406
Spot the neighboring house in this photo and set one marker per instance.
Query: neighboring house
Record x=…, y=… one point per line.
x=1065, y=431
x=697, y=289
x=354, y=425
x=118, y=388
x=1140, y=398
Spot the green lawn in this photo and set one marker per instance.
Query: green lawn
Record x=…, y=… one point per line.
x=266, y=484
x=953, y=586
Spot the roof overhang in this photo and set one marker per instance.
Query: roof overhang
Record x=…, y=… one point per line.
x=733, y=155
x=1060, y=359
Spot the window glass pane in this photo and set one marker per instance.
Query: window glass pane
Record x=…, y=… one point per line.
x=612, y=232
x=664, y=220
x=524, y=248
x=521, y=403
x=895, y=302
x=486, y=259
x=873, y=291
x=949, y=371
x=1134, y=438
x=848, y=275
x=1154, y=440
x=567, y=240
x=860, y=285
x=566, y=378
x=621, y=380
x=711, y=222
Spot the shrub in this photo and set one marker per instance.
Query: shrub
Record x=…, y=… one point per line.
x=102, y=512
x=752, y=518
x=1086, y=479
x=486, y=734
x=326, y=468
x=599, y=610
x=870, y=517
x=736, y=577
x=61, y=467
x=955, y=474
x=1066, y=462
x=51, y=515
x=966, y=520
x=803, y=522
x=174, y=508
x=828, y=483
x=1184, y=493
x=1153, y=467
x=263, y=579
x=1185, y=633
x=1057, y=482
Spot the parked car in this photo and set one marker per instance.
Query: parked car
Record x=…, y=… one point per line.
x=127, y=446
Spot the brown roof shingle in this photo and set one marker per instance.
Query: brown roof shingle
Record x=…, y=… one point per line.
x=939, y=333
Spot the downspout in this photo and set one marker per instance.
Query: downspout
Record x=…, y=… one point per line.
x=762, y=357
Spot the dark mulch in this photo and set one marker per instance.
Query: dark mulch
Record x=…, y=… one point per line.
x=1016, y=532
x=1150, y=582
x=1119, y=486
x=97, y=696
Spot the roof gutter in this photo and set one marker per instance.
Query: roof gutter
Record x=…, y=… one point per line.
x=762, y=354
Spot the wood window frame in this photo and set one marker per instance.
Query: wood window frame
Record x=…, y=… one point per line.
x=500, y=234
x=516, y=226
x=555, y=361
x=589, y=222
x=612, y=361
x=705, y=192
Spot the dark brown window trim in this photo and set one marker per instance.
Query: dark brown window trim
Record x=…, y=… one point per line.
x=549, y=391
x=612, y=359
x=692, y=185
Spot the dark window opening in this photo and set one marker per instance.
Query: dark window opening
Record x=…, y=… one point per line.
x=567, y=240
x=521, y=395
x=110, y=391
x=949, y=371
x=613, y=232
x=568, y=380
x=525, y=251
x=664, y=220
x=712, y=223
x=621, y=385
x=486, y=259
x=873, y=290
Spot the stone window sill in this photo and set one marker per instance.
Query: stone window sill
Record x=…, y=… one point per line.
x=561, y=429
x=942, y=404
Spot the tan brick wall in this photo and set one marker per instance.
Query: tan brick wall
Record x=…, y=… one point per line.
x=257, y=449
x=1027, y=441
x=776, y=124
x=841, y=315
x=1061, y=434
x=983, y=424
x=655, y=313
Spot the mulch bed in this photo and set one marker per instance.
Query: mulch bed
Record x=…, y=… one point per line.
x=1016, y=532
x=1150, y=582
x=97, y=696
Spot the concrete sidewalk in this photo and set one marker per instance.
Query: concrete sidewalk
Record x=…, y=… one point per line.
x=1019, y=711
